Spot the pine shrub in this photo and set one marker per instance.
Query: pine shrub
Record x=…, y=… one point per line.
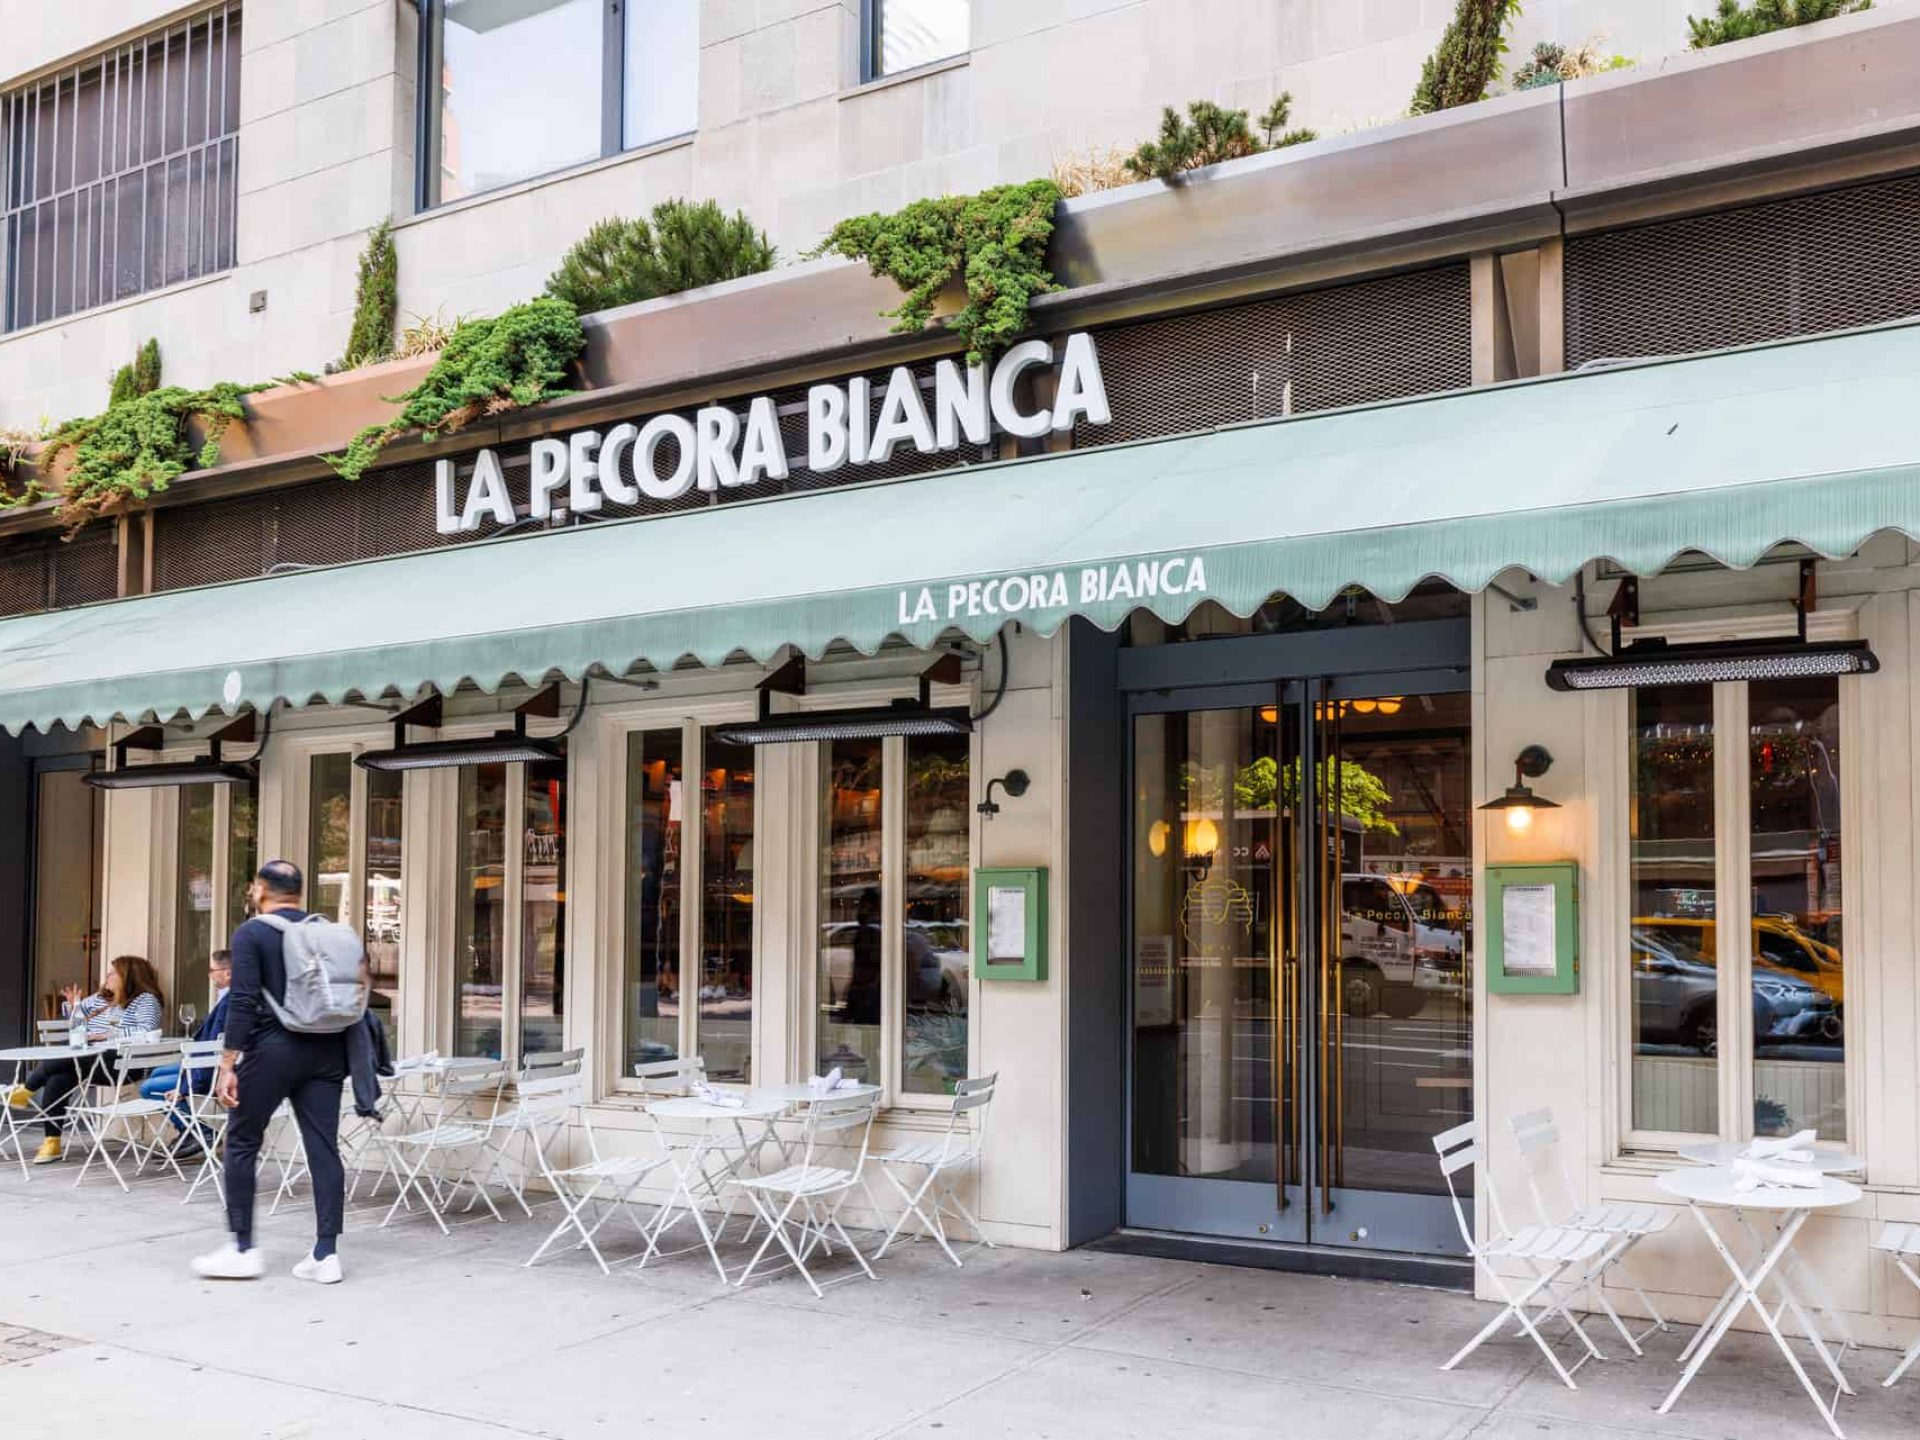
x=683, y=246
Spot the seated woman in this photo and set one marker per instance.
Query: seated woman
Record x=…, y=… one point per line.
x=128, y=1002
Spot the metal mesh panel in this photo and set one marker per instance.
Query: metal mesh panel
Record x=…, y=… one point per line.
x=205, y=544
x=23, y=577
x=1764, y=272
x=1371, y=340
x=85, y=568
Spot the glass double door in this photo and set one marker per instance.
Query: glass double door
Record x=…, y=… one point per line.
x=1302, y=885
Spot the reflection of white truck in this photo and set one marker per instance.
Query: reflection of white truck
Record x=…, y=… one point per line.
x=1397, y=945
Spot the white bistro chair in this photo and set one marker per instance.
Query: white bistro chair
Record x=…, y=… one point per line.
x=1554, y=1253
x=53, y=1032
x=434, y=1163
x=933, y=1196
x=800, y=1204
x=527, y=1125
x=595, y=1190
x=1901, y=1240
x=128, y=1122
x=1625, y=1225
x=204, y=1117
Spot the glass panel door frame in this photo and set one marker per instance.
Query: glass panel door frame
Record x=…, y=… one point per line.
x=1307, y=1204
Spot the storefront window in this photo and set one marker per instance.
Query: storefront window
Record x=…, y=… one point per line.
x=1799, y=1069
x=479, y=939
x=651, y=991
x=895, y=954
x=194, y=900
x=707, y=954
x=216, y=854
x=330, y=836
x=1676, y=980
x=726, y=919
x=543, y=910
x=851, y=940
x=1788, y=966
x=383, y=894
x=934, y=937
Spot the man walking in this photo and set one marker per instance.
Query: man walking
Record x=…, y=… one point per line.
x=265, y=1063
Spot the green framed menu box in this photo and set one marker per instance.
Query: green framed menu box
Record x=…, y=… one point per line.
x=1010, y=923
x=1533, y=940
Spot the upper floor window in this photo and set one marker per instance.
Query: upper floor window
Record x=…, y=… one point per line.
x=117, y=175
x=518, y=88
x=904, y=34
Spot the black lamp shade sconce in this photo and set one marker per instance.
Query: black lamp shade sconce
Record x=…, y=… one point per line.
x=1014, y=782
x=1519, y=802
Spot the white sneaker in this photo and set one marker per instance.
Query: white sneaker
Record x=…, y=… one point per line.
x=321, y=1272
x=230, y=1262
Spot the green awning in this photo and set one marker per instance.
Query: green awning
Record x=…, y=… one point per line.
x=1730, y=453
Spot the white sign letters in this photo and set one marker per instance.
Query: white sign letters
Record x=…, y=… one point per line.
x=1013, y=595
x=719, y=450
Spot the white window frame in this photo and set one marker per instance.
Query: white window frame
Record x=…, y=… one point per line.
x=167, y=814
x=893, y=846
x=1732, y=880
x=614, y=724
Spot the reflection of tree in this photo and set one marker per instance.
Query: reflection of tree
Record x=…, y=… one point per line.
x=1256, y=786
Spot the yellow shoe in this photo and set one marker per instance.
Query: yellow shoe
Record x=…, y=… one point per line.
x=20, y=1098
x=50, y=1150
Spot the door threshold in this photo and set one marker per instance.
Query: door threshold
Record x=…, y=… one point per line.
x=1443, y=1272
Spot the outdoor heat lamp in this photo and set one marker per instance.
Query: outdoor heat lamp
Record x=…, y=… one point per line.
x=503, y=747
x=1519, y=802
x=1657, y=661
x=211, y=770
x=916, y=716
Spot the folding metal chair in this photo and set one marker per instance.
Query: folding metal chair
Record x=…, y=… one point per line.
x=1625, y=1225
x=1551, y=1252
x=945, y=1161
x=455, y=1133
x=671, y=1077
x=1901, y=1240
x=550, y=1103
x=523, y=1127
x=53, y=1032
x=807, y=1197
x=134, y=1118
x=202, y=1115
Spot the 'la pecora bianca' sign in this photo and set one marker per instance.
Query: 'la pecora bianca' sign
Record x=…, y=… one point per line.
x=717, y=450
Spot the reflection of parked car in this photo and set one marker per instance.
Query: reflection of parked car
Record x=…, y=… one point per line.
x=1395, y=948
x=938, y=961
x=1676, y=989
x=1779, y=947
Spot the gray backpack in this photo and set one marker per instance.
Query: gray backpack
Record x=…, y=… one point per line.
x=325, y=991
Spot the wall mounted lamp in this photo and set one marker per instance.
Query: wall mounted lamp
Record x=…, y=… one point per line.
x=1519, y=802
x=1014, y=782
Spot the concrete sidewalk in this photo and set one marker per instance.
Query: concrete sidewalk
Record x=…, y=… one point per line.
x=103, y=1333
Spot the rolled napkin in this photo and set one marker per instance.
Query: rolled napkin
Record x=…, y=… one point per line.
x=825, y=1084
x=1750, y=1175
x=1795, y=1149
x=705, y=1092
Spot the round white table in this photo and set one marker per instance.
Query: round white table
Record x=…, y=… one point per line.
x=1725, y=1152
x=1714, y=1188
x=14, y=1123
x=805, y=1094
x=704, y=1159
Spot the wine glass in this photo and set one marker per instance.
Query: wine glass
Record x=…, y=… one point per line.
x=188, y=1014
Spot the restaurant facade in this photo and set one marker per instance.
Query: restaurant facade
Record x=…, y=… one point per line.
x=1424, y=630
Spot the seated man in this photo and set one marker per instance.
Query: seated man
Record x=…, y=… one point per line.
x=164, y=1083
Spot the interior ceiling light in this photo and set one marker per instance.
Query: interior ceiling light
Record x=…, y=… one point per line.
x=915, y=716
x=1656, y=661
x=503, y=747
x=209, y=770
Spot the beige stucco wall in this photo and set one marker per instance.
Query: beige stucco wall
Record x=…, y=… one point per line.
x=785, y=132
x=1569, y=1053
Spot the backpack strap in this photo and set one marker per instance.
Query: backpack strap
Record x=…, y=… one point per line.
x=276, y=922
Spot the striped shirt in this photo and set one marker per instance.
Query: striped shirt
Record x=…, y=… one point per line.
x=105, y=1019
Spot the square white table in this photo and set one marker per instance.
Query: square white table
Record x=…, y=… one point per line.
x=1713, y=1189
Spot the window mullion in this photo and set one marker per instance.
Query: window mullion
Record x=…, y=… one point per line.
x=357, y=848
x=1733, y=909
x=613, y=66
x=692, y=881
x=222, y=857
x=893, y=857
x=514, y=873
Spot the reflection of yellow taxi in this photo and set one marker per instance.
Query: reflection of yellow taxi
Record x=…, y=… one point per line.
x=1778, y=944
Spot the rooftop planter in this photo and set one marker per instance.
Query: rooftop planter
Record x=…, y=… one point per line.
x=1664, y=137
